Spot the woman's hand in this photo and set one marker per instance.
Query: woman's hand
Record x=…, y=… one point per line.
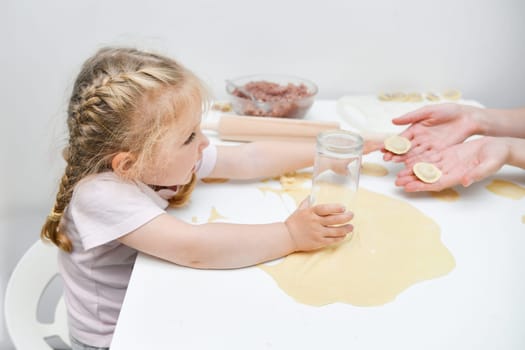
x=314, y=227
x=434, y=128
x=463, y=164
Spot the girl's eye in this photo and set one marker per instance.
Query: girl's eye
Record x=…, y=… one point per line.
x=192, y=136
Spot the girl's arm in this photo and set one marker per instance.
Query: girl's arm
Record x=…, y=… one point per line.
x=214, y=245
x=262, y=159
x=222, y=245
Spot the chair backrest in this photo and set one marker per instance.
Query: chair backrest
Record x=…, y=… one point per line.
x=29, y=280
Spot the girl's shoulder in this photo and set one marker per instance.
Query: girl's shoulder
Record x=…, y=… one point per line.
x=106, y=181
x=105, y=207
x=107, y=187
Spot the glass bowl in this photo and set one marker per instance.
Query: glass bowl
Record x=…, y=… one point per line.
x=271, y=95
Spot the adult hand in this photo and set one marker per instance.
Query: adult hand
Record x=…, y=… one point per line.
x=434, y=128
x=463, y=164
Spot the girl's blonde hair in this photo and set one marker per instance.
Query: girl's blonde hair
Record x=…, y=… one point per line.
x=116, y=106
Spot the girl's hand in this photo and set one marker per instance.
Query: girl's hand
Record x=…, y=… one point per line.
x=434, y=128
x=312, y=228
x=463, y=163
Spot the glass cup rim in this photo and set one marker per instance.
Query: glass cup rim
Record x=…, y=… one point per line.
x=355, y=146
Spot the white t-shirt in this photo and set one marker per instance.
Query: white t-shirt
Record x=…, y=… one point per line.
x=96, y=274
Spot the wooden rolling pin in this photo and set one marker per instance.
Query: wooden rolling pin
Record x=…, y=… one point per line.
x=247, y=128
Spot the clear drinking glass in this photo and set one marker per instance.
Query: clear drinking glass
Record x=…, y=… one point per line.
x=337, y=167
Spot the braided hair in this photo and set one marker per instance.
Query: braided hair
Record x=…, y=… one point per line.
x=110, y=112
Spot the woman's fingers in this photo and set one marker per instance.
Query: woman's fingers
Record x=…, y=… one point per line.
x=406, y=179
x=428, y=156
x=414, y=116
x=418, y=186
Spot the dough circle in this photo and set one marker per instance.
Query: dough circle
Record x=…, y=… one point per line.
x=426, y=172
x=452, y=94
x=397, y=144
x=432, y=97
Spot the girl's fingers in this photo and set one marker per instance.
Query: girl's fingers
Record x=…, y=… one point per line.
x=328, y=209
x=305, y=203
x=372, y=145
x=336, y=219
x=338, y=231
x=387, y=156
x=332, y=240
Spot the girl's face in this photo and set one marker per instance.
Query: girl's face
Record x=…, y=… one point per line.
x=178, y=153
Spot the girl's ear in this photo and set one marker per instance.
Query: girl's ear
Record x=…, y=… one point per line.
x=122, y=162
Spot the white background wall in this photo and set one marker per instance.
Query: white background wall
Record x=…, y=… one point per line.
x=347, y=47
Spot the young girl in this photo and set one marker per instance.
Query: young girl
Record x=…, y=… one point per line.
x=135, y=148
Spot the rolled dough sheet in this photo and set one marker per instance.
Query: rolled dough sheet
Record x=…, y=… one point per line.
x=393, y=246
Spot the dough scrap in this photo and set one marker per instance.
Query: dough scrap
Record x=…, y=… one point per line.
x=399, y=97
x=506, y=189
x=452, y=94
x=222, y=106
x=415, y=97
x=214, y=180
x=215, y=215
x=373, y=169
x=426, y=172
x=397, y=144
x=432, y=97
x=446, y=195
x=384, y=97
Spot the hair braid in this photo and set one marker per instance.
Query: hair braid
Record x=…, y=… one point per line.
x=51, y=228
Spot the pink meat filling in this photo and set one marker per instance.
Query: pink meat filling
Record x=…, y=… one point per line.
x=285, y=100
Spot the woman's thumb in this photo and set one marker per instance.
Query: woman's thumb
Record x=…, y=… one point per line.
x=477, y=173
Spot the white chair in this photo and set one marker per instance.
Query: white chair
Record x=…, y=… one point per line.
x=31, y=276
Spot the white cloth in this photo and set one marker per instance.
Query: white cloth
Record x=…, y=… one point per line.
x=96, y=274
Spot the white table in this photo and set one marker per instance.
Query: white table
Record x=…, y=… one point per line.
x=480, y=304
